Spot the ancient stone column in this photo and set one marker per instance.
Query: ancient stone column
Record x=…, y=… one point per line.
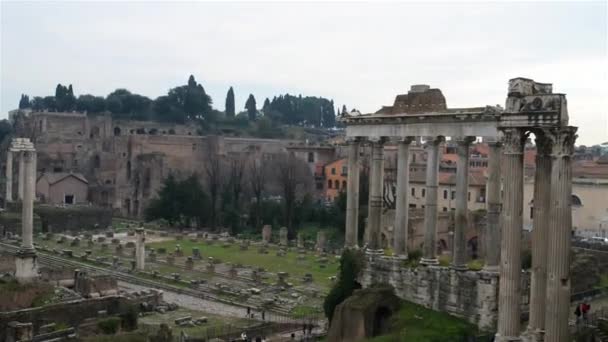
x=459, y=260
x=27, y=211
x=376, y=179
x=509, y=298
x=540, y=221
x=21, y=175
x=140, y=249
x=9, y=177
x=352, y=195
x=492, y=235
x=402, y=202
x=560, y=223
x=429, y=256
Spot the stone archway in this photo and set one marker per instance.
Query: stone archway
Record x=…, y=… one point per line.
x=382, y=318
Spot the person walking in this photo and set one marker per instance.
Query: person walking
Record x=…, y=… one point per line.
x=578, y=312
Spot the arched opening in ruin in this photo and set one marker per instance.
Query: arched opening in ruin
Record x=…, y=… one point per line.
x=153, y=131
x=94, y=132
x=96, y=161
x=381, y=321
x=129, y=170
x=442, y=245
x=116, y=131
x=473, y=247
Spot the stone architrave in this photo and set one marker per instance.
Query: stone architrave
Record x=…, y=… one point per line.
x=140, y=249
x=352, y=195
x=283, y=236
x=559, y=236
x=509, y=293
x=429, y=256
x=402, y=201
x=321, y=241
x=376, y=180
x=266, y=233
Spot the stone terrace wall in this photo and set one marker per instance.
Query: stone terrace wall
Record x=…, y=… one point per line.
x=470, y=295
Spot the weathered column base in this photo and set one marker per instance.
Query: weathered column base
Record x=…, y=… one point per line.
x=498, y=338
x=374, y=252
x=535, y=335
x=459, y=267
x=26, y=266
x=491, y=269
x=429, y=262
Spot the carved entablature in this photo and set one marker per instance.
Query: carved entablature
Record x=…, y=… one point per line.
x=532, y=98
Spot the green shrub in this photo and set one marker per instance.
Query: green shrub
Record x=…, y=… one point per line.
x=109, y=326
x=351, y=263
x=444, y=260
x=416, y=254
x=129, y=318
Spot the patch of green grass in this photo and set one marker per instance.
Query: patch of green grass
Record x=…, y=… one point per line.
x=417, y=323
x=288, y=263
x=305, y=311
x=476, y=264
x=603, y=281
x=444, y=260
x=124, y=337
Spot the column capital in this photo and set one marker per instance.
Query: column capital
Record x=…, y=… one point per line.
x=514, y=141
x=465, y=140
x=544, y=144
x=429, y=140
x=377, y=140
x=562, y=141
x=404, y=140
x=352, y=140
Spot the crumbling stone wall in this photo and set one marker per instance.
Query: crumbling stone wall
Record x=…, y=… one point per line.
x=72, y=218
x=470, y=295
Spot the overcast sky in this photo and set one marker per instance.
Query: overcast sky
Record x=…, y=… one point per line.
x=359, y=54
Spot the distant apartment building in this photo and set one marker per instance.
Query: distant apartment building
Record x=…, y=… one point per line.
x=336, y=174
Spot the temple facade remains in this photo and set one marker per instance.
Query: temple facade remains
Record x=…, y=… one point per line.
x=491, y=298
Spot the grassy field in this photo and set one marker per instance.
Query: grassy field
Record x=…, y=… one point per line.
x=416, y=323
x=270, y=262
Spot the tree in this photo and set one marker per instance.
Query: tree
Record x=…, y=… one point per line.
x=190, y=100
x=5, y=129
x=251, y=108
x=230, y=103
x=214, y=175
x=90, y=104
x=167, y=205
x=266, y=106
x=233, y=189
x=257, y=182
x=293, y=177
x=24, y=102
x=351, y=263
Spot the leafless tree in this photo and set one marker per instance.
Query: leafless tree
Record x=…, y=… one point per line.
x=257, y=183
x=236, y=181
x=214, y=176
x=294, y=178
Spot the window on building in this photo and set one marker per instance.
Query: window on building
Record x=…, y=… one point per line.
x=337, y=184
x=445, y=209
x=343, y=184
x=445, y=194
x=311, y=157
x=344, y=170
x=329, y=183
x=129, y=170
x=68, y=199
x=319, y=186
x=423, y=192
x=413, y=206
x=453, y=194
x=469, y=196
x=531, y=213
x=413, y=191
x=576, y=200
x=333, y=170
x=96, y=161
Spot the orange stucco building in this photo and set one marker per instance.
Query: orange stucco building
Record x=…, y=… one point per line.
x=335, y=178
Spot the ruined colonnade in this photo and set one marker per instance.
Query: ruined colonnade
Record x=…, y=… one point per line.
x=531, y=107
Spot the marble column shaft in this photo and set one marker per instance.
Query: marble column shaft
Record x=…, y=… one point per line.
x=21, y=175
x=492, y=236
x=402, y=201
x=462, y=212
x=558, y=253
x=27, y=211
x=376, y=179
x=9, y=176
x=352, y=195
x=140, y=249
x=540, y=222
x=429, y=256
x=509, y=298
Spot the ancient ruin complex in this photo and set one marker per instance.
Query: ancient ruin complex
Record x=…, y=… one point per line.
x=491, y=298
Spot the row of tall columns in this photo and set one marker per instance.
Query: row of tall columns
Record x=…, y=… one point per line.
x=352, y=198
x=493, y=206
x=551, y=236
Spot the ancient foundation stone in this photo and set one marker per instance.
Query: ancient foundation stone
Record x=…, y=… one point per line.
x=266, y=233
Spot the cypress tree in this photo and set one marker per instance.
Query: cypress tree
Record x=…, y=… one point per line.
x=230, y=103
x=251, y=107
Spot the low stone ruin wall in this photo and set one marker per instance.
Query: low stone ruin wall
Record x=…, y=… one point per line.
x=73, y=313
x=72, y=218
x=467, y=294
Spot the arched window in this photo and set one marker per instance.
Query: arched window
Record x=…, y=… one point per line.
x=576, y=200
x=337, y=184
x=343, y=184
x=445, y=194
x=116, y=131
x=329, y=183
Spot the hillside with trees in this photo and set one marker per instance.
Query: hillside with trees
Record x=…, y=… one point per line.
x=189, y=103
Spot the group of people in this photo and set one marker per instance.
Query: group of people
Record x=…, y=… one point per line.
x=581, y=312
